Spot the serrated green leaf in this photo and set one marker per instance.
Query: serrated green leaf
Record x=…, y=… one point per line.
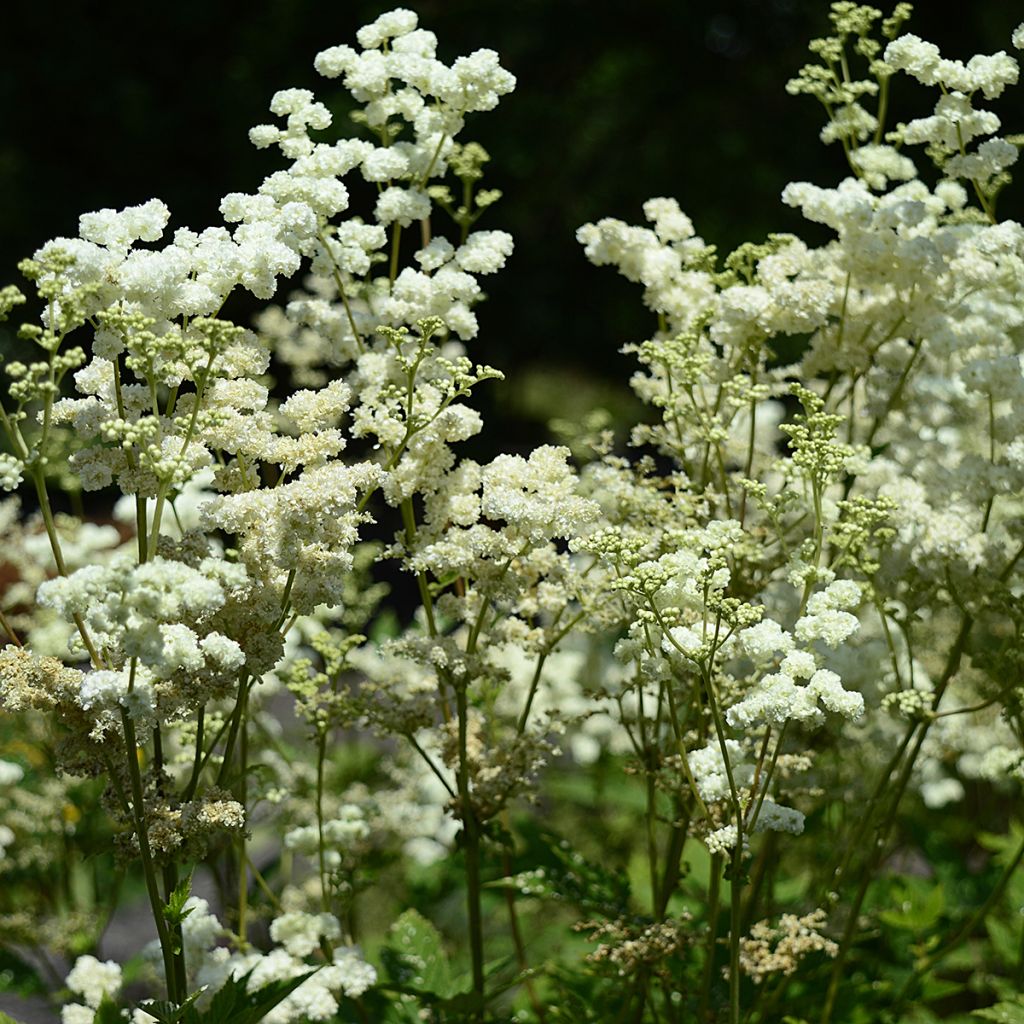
x=165, y=1012
x=1002, y=1013
x=415, y=957
x=1004, y=940
x=173, y=1013
x=919, y=904
x=234, y=1004
x=174, y=910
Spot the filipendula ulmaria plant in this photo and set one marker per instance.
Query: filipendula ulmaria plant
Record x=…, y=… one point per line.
x=247, y=516
x=792, y=612
x=817, y=572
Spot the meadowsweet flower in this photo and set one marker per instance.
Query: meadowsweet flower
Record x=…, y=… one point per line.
x=721, y=840
x=94, y=980
x=765, y=639
x=10, y=472
x=484, y=252
x=300, y=934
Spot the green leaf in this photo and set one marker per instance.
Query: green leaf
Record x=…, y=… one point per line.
x=108, y=1013
x=172, y=1013
x=1002, y=1013
x=233, y=1004
x=414, y=956
x=165, y=1012
x=1004, y=940
x=174, y=909
x=919, y=904
x=6, y=1019
x=572, y=878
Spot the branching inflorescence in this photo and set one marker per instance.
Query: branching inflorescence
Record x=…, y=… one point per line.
x=787, y=608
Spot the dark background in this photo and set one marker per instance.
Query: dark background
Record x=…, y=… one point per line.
x=111, y=104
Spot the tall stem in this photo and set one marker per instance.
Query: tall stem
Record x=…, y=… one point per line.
x=735, y=926
x=712, y=936
x=882, y=830
x=172, y=973
x=471, y=850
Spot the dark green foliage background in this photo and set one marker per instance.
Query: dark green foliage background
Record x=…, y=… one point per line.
x=113, y=103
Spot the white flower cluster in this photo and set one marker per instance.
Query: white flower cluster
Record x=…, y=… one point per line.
x=94, y=981
x=708, y=768
x=190, y=276
x=135, y=613
x=296, y=937
x=924, y=495
x=401, y=84
x=662, y=258
x=338, y=835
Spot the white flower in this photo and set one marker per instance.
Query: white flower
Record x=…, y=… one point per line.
x=398, y=22
x=385, y=164
x=94, y=980
x=335, y=61
x=10, y=471
x=799, y=665
x=682, y=639
x=118, y=229
x=828, y=687
x=708, y=768
x=76, y=1013
x=722, y=839
x=356, y=974
x=435, y=254
x=776, y=699
x=484, y=252
x=918, y=58
x=764, y=639
x=670, y=223
x=828, y=624
x=536, y=497
x=840, y=594
x=300, y=933
x=200, y=929
x=402, y=205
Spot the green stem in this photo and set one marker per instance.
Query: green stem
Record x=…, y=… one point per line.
x=321, y=755
x=673, y=852
x=882, y=830
x=9, y=630
x=58, y=556
x=652, y=835
x=517, y=940
x=714, y=895
x=156, y=904
x=471, y=850
x=735, y=926
x=396, y=239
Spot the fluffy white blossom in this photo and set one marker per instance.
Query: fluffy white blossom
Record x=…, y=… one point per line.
x=93, y=979
x=301, y=933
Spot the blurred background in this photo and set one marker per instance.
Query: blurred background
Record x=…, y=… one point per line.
x=112, y=104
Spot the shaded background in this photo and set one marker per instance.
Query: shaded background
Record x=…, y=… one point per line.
x=112, y=104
